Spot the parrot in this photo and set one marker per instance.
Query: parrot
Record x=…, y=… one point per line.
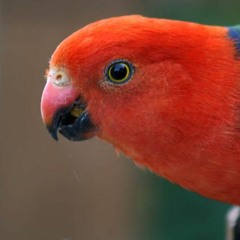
x=166, y=93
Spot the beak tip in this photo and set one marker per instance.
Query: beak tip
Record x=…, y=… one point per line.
x=53, y=132
x=55, y=137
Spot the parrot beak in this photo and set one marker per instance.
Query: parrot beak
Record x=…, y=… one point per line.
x=64, y=112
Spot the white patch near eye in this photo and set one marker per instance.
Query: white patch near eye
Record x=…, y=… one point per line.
x=58, y=77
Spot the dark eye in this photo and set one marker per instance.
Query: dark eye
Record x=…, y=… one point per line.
x=119, y=72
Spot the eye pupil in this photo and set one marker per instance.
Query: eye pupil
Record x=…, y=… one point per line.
x=119, y=71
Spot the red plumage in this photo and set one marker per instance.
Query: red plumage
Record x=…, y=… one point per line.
x=178, y=115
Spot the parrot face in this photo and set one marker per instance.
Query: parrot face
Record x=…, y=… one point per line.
x=161, y=91
x=96, y=80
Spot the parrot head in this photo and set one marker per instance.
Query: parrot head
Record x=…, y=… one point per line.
x=108, y=78
x=161, y=91
x=98, y=76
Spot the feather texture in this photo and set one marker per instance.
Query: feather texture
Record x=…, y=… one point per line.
x=179, y=113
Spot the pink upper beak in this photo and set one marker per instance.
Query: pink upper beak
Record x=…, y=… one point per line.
x=55, y=98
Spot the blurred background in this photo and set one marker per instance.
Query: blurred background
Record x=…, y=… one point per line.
x=83, y=191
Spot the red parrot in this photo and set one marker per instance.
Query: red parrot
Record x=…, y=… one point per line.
x=166, y=93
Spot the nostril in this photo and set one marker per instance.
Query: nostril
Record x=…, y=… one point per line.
x=59, y=77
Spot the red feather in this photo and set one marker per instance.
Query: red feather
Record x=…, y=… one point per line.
x=179, y=114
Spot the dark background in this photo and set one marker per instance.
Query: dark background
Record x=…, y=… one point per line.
x=73, y=191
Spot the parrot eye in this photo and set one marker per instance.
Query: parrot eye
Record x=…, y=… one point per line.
x=119, y=72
